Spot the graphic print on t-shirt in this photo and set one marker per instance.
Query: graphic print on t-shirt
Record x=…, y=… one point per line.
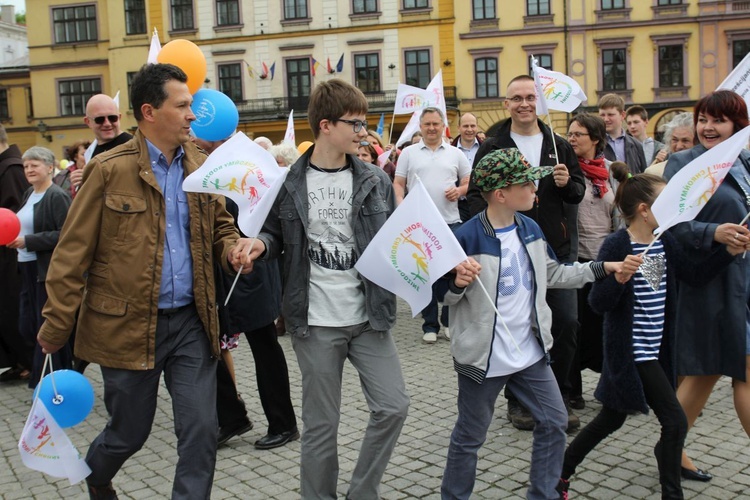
x=331, y=240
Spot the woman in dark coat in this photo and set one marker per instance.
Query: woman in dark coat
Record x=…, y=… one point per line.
x=42, y=215
x=713, y=321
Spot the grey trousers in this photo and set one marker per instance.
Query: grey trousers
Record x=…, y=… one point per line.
x=321, y=358
x=184, y=355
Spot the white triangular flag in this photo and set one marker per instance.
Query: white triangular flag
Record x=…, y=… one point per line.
x=154, y=49
x=289, y=136
x=383, y=158
x=693, y=185
x=45, y=447
x=116, y=98
x=739, y=79
x=411, y=128
x=241, y=170
x=557, y=91
x=413, y=249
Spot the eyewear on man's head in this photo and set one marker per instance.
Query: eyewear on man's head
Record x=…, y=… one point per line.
x=99, y=120
x=357, y=125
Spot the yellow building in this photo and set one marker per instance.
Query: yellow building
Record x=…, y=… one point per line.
x=266, y=56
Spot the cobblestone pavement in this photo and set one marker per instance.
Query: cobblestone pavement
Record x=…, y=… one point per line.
x=623, y=467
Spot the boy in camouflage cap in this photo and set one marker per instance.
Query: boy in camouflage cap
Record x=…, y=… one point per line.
x=511, y=348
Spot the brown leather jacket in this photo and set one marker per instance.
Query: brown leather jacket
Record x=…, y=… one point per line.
x=108, y=261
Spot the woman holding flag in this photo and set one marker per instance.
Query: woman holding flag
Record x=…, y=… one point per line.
x=713, y=321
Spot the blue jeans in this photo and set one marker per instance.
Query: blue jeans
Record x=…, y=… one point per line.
x=536, y=388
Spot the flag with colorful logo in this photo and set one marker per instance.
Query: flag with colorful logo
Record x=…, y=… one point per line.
x=689, y=190
x=410, y=99
x=289, y=135
x=241, y=170
x=46, y=448
x=413, y=249
x=739, y=79
x=556, y=90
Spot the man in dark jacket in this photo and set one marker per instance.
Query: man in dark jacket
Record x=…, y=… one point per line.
x=13, y=184
x=555, y=210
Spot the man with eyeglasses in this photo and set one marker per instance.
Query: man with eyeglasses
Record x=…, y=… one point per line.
x=555, y=210
x=103, y=118
x=330, y=207
x=444, y=172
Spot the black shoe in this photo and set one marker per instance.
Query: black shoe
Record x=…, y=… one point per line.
x=577, y=402
x=225, y=434
x=102, y=492
x=695, y=475
x=275, y=440
x=574, y=423
x=520, y=416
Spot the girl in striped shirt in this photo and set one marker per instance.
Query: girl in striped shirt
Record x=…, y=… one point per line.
x=639, y=342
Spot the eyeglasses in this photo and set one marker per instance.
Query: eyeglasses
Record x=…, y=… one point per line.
x=99, y=120
x=357, y=125
x=518, y=99
x=577, y=135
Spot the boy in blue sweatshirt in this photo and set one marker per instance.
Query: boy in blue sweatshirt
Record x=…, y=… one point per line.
x=491, y=350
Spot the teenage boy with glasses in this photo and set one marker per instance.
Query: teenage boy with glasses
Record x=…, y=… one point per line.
x=330, y=207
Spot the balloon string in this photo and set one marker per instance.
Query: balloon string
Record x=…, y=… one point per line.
x=48, y=361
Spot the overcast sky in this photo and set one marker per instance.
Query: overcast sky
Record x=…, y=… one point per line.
x=20, y=4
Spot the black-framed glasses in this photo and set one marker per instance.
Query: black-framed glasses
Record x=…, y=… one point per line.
x=577, y=135
x=357, y=125
x=99, y=120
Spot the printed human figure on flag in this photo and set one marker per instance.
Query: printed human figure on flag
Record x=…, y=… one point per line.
x=413, y=249
x=556, y=90
x=241, y=170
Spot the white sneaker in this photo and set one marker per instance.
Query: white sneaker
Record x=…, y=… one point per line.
x=447, y=333
x=429, y=337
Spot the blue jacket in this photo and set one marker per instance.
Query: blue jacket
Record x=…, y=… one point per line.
x=472, y=319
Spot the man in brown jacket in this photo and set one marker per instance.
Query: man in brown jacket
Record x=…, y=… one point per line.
x=136, y=255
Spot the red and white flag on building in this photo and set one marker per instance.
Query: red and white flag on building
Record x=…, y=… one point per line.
x=412, y=250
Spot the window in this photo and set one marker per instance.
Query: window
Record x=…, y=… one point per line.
x=613, y=4
x=230, y=80
x=484, y=9
x=135, y=17
x=129, y=77
x=295, y=9
x=75, y=24
x=614, y=73
x=417, y=68
x=543, y=61
x=537, y=7
x=367, y=72
x=298, y=82
x=670, y=66
x=662, y=3
x=227, y=12
x=740, y=48
x=416, y=4
x=75, y=93
x=485, y=76
x=364, y=6
x=4, y=108
x=182, y=15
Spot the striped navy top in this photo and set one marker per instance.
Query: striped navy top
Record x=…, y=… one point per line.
x=650, y=288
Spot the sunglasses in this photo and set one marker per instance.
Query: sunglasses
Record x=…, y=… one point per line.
x=99, y=120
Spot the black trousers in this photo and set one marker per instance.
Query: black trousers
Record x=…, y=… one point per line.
x=272, y=376
x=662, y=399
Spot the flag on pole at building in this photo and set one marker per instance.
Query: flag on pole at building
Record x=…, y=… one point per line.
x=328, y=63
x=739, y=79
x=315, y=65
x=154, y=49
x=289, y=135
x=241, y=170
x=381, y=124
x=264, y=74
x=692, y=186
x=46, y=448
x=250, y=70
x=340, y=64
x=413, y=249
x=556, y=90
x=273, y=69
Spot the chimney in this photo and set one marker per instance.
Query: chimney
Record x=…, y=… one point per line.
x=8, y=14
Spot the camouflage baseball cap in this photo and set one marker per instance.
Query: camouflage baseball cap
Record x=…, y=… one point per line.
x=505, y=167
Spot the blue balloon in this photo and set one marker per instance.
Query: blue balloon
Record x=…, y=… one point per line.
x=216, y=115
x=74, y=400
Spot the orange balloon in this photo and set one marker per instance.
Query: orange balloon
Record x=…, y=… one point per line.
x=304, y=146
x=188, y=57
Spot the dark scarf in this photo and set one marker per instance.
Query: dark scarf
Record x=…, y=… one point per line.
x=597, y=172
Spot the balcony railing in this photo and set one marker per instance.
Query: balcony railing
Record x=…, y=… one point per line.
x=278, y=108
